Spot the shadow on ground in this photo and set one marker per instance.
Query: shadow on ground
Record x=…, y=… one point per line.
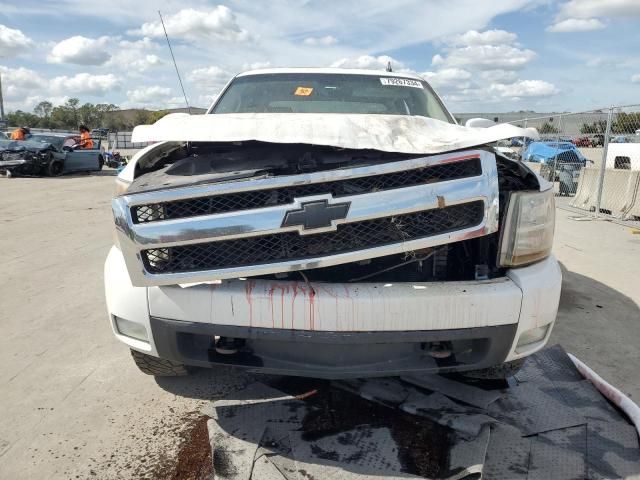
x=600, y=326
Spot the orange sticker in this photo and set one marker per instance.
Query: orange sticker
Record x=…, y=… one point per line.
x=303, y=91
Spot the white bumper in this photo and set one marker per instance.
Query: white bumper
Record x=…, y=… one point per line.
x=528, y=296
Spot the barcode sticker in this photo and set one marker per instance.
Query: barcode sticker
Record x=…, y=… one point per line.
x=401, y=82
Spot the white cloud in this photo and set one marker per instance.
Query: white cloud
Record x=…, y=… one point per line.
x=209, y=79
x=488, y=57
x=482, y=68
x=576, y=25
x=136, y=55
x=368, y=62
x=323, y=41
x=149, y=95
x=582, y=15
x=17, y=83
x=448, y=78
x=635, y=78
x=599, y=8
x=488, y=37
x=13, y=42
x=80, y=50
x=23, y=86
x=499, y=76
x=191, y=24
x=84, y=84
x=525, y=88
x=255, y=66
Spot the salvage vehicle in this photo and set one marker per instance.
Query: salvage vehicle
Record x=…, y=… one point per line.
x=559, y=162
x=330, y=223
x=48, y=154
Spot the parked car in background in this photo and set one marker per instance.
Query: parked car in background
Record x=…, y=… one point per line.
x=597, y=140
x=620, y=139
x=583, y=141
x=101, y=133
x=560, y=162
x=519, y=141
x=48, y=154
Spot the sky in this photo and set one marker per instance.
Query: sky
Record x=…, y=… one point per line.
x=479, y=55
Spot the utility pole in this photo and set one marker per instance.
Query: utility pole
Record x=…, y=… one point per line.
x=1, y=100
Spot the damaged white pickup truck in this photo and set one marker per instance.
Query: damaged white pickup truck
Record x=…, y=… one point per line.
x=330, y=223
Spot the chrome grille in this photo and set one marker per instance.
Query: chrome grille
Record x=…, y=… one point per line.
x=283, y=196
x=395, y=207
x=292, y=246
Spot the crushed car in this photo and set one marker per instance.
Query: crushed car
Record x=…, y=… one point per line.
x=330, y=223
x=48, y=154
x=559, y=162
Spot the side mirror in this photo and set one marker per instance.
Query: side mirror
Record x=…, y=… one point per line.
x=67, y=148
x=479, y=123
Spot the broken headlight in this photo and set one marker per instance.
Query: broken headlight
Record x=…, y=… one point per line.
x=527, y=233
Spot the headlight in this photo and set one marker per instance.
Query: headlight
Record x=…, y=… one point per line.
x=527, y=233
x=121, y=186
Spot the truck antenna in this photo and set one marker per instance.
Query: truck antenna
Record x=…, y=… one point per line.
x=174, y=63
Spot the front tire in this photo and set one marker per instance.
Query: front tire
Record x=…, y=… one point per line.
x=54, y=168
x=158, y=367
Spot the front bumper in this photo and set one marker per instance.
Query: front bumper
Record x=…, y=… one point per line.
x=333, y=354
x=342, y=330
x=19, y=166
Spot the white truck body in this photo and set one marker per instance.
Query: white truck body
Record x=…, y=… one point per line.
x=366, y=269
x=623, y=156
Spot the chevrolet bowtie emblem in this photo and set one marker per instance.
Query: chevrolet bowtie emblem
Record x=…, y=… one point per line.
x=318, y=214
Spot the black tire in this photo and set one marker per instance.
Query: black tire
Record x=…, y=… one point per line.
x=54, y=168
x=100, y=162
x=497, y=372
x=159, y=367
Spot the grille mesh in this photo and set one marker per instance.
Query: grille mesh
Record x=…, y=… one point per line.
x=283, y=196
x=292, y=246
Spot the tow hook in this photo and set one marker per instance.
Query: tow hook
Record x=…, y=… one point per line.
x=439, y=349
x=228, y=345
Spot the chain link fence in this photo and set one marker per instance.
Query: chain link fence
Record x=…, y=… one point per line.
x=593, y=159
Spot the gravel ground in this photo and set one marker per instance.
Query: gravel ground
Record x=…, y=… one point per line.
x=75, y=406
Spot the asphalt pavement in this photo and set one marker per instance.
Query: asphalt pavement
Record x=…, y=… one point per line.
x=75, y=406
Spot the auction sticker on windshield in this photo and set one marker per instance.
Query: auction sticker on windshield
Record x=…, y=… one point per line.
x=401, y=82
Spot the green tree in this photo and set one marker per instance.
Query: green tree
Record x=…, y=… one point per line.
x=43, y=109
x=626, y=123
x=155, y=116
x=547, y=128
x=596, y=127
x=22, y=119
x=72, y=106
x=141, y=117
x=62, y=117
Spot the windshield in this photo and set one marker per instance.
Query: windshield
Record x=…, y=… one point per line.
x=52, y=139
x=330, y=93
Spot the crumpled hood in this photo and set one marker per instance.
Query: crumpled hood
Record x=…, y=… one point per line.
x=387, y=133
x=24, y=146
